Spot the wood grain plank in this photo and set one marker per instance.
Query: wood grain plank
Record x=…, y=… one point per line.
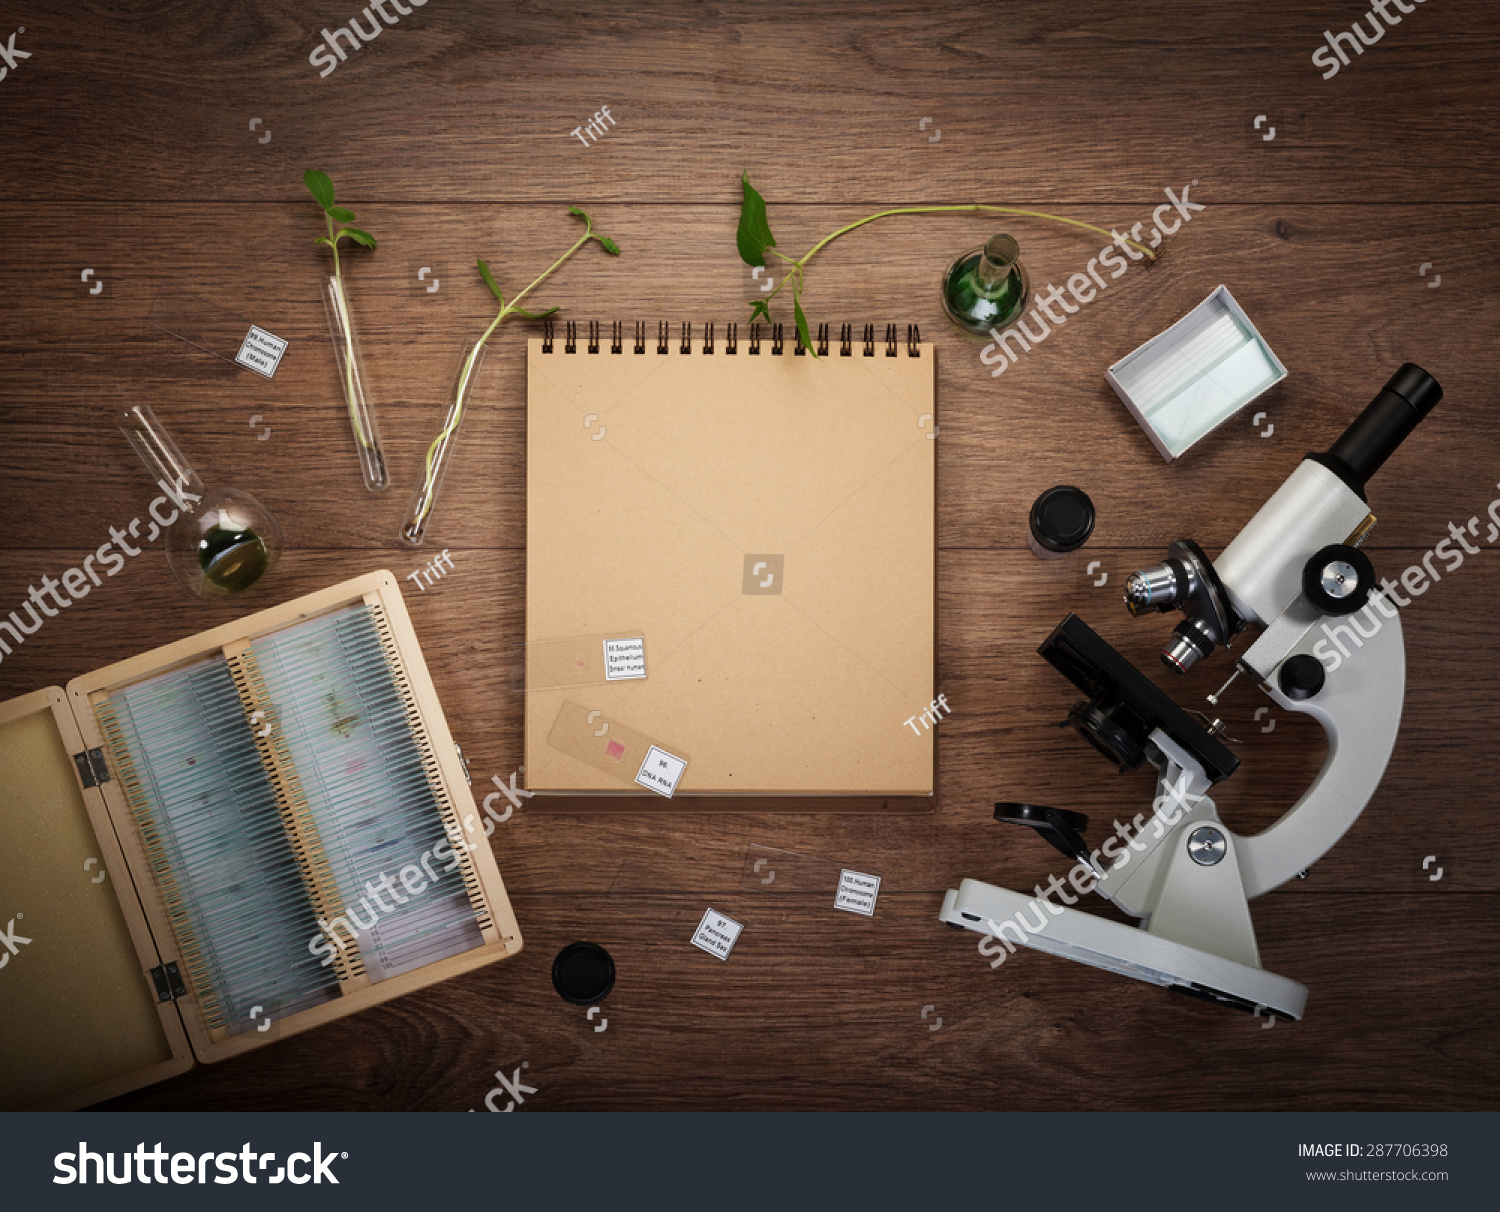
x=1151, y=95
x=791, y=1019
x=1001, y=742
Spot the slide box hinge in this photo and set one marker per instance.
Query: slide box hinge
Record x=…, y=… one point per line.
x=168, y=982
x=91, y=768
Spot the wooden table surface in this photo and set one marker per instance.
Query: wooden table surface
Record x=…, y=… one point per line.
x=1359, y=237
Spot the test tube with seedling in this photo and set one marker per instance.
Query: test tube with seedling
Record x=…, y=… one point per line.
x=346, y=346
x=352, y=383
x=439, y=453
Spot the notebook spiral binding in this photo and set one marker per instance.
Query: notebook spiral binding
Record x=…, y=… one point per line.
x=731, y=342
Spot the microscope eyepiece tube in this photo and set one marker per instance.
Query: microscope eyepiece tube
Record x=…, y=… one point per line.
x=1372, y=438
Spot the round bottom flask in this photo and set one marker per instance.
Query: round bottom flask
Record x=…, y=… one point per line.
x=219, y=542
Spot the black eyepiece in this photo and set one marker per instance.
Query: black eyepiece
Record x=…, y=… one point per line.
x=1410, y=395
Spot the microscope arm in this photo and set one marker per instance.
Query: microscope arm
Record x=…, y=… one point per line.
x=1359, y=708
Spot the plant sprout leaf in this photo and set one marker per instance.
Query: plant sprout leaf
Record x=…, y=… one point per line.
x=535, y=315
x=802, y=327
x=754, y=232
x=319, y=186
x=609, y=246
x=573, y=210
x=760, y=309
x=358, y=236
x=489, y=280
x=340, y=215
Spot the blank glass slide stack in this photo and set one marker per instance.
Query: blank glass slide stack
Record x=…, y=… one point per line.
x=373, y=807
x=210, y=819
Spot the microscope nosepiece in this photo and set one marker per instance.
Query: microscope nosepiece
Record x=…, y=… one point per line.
x=1160, y=587
x=1189, y=644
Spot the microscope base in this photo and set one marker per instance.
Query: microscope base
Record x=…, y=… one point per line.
x=1124, y=950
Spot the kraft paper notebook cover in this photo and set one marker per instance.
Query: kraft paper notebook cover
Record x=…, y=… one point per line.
x=730, y=590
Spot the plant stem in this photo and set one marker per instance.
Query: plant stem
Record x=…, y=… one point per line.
x=348, y=325
x=971, y=206
x=511, y=306
x=455, y=415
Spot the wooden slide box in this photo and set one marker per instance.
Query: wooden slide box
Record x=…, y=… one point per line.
x=100, y=999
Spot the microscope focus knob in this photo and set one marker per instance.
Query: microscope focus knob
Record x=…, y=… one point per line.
x=1301, y=677
x=1338, y=579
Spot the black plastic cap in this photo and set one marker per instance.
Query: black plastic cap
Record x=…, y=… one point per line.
x=1301, y=677
x=1062, y=518
x=583, y=973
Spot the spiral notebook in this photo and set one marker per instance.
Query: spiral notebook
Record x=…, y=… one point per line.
x=730, y=584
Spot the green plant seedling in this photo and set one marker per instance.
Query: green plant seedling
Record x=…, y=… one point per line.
x=756, y=241
x=422, y=505
x=321, y=188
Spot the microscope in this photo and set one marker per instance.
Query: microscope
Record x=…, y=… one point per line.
x=1297, y=574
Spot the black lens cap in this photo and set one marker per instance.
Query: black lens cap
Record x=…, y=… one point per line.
x=1062, y=518
x=583, y=973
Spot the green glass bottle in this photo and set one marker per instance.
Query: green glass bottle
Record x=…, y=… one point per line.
x=986, y=287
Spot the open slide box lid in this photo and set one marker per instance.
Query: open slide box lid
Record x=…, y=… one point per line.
x=80, y=1016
